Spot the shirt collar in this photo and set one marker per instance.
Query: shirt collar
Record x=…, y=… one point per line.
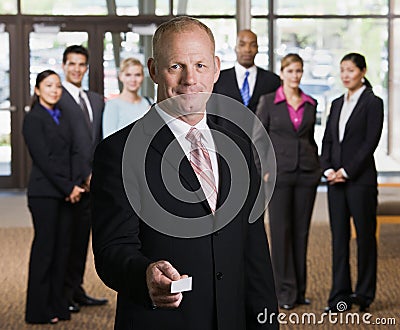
x=280, y=97
x=241, y=70
x=355, y=96
x=179, y=127
x=72, y=89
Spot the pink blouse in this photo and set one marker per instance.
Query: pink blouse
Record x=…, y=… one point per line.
x=295, y=116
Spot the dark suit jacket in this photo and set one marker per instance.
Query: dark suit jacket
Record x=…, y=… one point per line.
x=266, y=82
x=88, y=138
x=231, y=269
x=293, y=149
x=55, y=154
x=226, y=112
x=362, y=133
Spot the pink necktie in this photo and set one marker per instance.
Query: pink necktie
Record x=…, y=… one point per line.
x=201, y=163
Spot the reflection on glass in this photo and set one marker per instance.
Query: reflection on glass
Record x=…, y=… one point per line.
x=338, y=7
x=8, y=7
x=322, y=43
x=46, y=51
x=205, y=7
x=224, y=31
x=77, y=7
x=5, y=115
x=118, y=46
x=260, y=27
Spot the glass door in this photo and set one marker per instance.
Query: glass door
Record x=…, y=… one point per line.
x=46, y=51
x=5, y=106
x=120, y=45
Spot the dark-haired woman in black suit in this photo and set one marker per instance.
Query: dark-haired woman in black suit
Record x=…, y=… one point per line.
x=351, y=136
x=53, y=186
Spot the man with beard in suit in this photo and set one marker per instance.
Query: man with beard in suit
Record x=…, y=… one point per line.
x=163, y=196
x=84, y=109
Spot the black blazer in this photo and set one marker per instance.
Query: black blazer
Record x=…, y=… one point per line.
x=55, y=154
x=266, y=82
x=88, y=138
x=231, y=269
x=234, y=116
x=362, y=134
x=293, y=149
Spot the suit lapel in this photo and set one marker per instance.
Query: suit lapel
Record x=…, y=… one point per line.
x=62, y=129
x=335, y=118
x=308, y=114
x=236, y=89
x=356, y=111
x=154, y=126
x=67, y=101
x=223, y=168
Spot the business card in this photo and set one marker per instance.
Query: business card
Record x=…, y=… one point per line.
x=184, y=284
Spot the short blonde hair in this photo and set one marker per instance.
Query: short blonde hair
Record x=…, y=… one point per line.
x=130, y=61
x=289, y=59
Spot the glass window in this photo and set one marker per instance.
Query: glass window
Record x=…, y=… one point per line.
x=205, y=7
x=5, y=114
x=259, y=7
x=77, y=7
x=323, y=7
x=396, y=7
x=162, y=7
x=128, y=45
x=259, y=27
x=224, y=31
x=322, y=43
x=46, y=51
x=8, y=7
x=394, y=117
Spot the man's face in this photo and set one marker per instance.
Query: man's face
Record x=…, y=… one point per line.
x=246, y=48
x=186, y=64
x=75, y=68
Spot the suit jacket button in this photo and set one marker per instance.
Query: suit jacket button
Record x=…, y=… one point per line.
x=219, y=276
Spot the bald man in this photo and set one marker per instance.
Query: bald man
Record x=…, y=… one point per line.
x=260, y=81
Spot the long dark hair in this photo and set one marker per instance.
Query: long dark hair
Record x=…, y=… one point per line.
x=359, y=62
x=40, y=77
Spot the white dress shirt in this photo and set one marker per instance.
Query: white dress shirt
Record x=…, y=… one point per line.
x=74, y=91
x=347, y=109
x=240, y=75
x=180, y=129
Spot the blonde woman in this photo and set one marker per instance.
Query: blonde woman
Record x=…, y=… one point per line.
x=289, y=117
x=128, y=106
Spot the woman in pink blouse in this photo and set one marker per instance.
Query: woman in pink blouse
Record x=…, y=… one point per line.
x=289, y=117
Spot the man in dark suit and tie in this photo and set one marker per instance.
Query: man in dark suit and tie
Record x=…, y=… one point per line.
x=84, y=109
x=166, y=205
x=245, y=82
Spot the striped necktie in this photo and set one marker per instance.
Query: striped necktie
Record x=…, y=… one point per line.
x=85, y=109
x=201, y=164
x=245, y=91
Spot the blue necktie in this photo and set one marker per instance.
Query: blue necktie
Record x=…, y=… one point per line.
x=245, y=91
x=56, y=113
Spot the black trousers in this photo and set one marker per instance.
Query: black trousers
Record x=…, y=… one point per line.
x=290, y=210
x=48, y=259
x=360, y=202
x=79, y=240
